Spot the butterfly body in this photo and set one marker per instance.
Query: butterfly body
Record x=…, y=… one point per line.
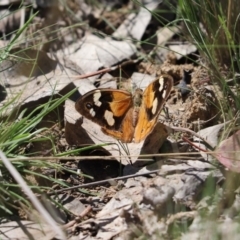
x=125, y=116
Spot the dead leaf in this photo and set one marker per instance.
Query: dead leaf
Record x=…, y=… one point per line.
x=31, y=76
x=26, y=230
x=135, y=24
x=228, y=152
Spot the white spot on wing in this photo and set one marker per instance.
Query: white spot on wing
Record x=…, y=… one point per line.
x=92, y=112
x=154, y=106
x=161, y=82
x=96, y=97
x=164, y=94
x=109, y=117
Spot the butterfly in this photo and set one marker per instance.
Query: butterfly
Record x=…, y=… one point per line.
x=122, y=115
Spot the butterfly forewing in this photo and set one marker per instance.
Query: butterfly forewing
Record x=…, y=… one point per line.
x=155, y=96
x=153, y=99
x=106, y=107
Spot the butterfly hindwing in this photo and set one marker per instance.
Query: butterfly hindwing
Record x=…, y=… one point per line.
x=126, y=131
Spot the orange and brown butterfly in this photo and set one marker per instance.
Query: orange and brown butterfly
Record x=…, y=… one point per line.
x=122, y=115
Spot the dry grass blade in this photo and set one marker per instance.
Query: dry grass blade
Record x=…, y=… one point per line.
x=46, y=216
